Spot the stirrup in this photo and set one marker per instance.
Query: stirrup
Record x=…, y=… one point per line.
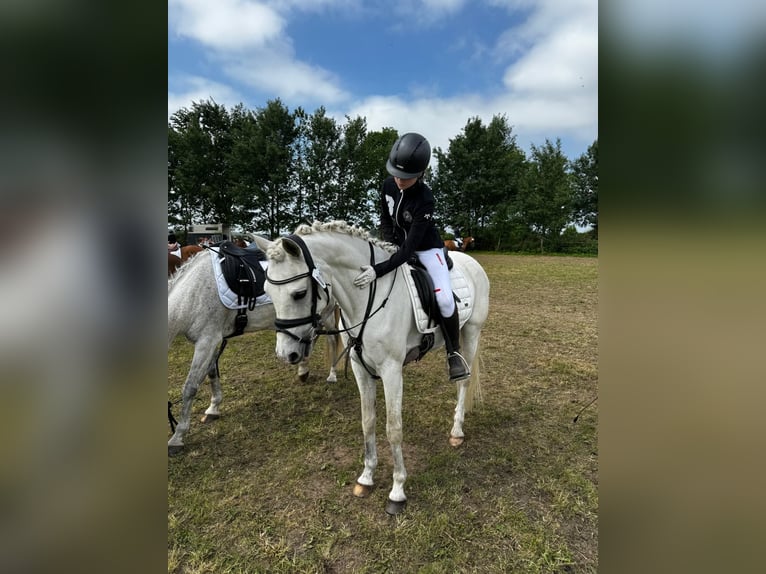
x=458, y=370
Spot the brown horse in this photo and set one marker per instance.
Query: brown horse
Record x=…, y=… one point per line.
x=451, y=244
x=174, y=262
x=189, y=250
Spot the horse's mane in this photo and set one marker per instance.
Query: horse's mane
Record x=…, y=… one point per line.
x=336, y=226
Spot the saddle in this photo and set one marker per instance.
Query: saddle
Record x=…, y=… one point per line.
x=242, y=269
x=424, y=306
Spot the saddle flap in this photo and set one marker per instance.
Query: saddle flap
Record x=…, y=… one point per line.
x=420, y=288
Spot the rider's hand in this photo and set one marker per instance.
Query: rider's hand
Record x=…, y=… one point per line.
x=366, y=276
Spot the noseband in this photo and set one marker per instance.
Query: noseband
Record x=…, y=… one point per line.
x=283, y=325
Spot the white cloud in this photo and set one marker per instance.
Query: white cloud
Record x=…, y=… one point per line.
x=436, y=119
x=225, y=24
x=551, y=90
x=565, y=61
x=279, y=73
x=249, y=45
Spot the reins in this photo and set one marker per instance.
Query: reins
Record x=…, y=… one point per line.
x=356, y=342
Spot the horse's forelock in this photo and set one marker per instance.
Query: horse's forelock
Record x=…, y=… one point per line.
x=275, y=251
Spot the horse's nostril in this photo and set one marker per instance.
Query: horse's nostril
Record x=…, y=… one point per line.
x=293, y=358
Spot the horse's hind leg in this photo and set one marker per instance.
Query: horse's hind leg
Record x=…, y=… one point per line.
x=216, y=394
x=470, y=341
x=203, y=353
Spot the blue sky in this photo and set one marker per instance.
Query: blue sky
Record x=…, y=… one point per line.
x=418, y=65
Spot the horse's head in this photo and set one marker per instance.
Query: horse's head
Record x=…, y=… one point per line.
x=299, y=294
x=468, y=243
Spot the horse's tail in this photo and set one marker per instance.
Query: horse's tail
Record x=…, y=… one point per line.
x=473, y=391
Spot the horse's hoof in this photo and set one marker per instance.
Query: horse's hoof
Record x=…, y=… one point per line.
x=208, y=418
x=175, y=449
x=303, y=377
x=394, y=507
x=456, y=441
x=362, y=490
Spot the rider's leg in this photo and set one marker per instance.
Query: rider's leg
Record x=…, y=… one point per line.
x=433, y=261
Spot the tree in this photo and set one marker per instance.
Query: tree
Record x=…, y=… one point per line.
x=545, y=201
x=585, y=181
x=321, y=142
x=199, y=145
x=248, y=170
x=479, y=172
x=372, y=164
x=351, y=191
x=273, y=141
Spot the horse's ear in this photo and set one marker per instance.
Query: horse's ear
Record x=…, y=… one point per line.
x=262, y=243
x=291, y=247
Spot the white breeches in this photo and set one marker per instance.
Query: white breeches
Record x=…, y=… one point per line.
x=434, y=262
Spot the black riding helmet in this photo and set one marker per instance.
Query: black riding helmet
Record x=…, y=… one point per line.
x=409, y=157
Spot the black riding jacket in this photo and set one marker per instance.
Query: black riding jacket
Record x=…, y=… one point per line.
x=406, y=219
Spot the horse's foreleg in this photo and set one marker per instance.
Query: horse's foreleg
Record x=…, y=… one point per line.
x=203, y=354
x=366, y=386
x=392, y=385
x=303, y=370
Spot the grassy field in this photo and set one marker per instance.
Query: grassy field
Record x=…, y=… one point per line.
x=267, y=488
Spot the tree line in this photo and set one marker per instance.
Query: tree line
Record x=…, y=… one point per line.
x=270, y=169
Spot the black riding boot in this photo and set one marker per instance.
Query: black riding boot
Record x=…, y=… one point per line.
x=458, y=369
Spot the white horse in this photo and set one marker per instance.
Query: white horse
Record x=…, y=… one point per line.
x=196, y=311
x=378, y=321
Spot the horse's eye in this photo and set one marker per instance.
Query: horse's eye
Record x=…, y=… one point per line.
x=298, y=295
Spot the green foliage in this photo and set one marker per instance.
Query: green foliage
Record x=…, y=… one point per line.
x=585, y=177
x=477, y=173
x=545, y=203
x=268, y=170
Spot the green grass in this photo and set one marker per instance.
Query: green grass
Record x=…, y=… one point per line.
x=267, y=488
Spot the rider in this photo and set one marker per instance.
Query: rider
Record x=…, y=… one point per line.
x=406, y=220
